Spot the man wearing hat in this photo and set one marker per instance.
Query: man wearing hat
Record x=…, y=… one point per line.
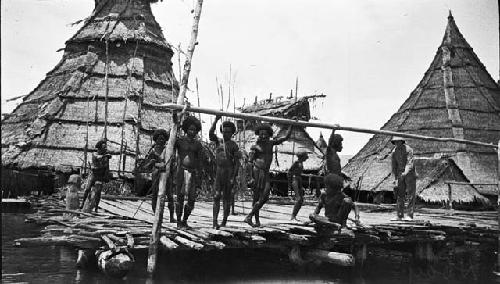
x=295, y=182
x=405, y=177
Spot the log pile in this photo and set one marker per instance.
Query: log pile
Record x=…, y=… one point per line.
x=125, y=222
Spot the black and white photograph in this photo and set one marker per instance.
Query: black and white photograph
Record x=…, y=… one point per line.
x=238, y=141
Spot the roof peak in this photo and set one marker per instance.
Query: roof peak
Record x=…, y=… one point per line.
x=452, y=35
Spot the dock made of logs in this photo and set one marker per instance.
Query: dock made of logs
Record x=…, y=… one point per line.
x=129, y=220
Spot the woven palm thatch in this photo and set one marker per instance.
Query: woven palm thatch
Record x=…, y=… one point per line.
x=299, y=139
x=456, y=98
x=120, y=54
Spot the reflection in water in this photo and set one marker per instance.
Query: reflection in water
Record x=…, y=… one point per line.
x=57, y=265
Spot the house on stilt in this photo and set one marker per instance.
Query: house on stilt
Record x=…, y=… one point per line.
x=285, y=154
x=113, y=73
x=456, y=98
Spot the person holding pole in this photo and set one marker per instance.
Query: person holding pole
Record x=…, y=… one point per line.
x=227, y=158
x=295, y=182
x=405, y=178
x=189, y=153
x=261, y=156
x=156, y=159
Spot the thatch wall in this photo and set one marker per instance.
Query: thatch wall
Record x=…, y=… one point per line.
x=49, y=129
x=455, y=98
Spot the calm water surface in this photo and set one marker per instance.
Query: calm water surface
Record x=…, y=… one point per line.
x=57, y=265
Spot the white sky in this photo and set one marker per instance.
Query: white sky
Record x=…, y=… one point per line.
x=366, y=56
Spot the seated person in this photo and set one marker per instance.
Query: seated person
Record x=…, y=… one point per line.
x=336, y=203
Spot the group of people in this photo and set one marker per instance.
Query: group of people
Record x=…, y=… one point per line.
x=184, y=177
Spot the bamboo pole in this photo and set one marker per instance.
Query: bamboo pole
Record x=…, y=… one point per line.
x=324, y=125
x=169, y=151
x=106, y=91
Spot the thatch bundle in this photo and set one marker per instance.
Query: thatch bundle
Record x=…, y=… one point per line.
x=456, y=98
x=119, y=59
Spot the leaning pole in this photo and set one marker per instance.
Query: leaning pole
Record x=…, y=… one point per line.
x=169, y=150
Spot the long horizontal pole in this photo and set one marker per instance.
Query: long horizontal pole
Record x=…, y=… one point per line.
x=247, y=116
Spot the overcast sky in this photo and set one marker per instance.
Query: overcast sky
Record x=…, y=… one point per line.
x=366, y=56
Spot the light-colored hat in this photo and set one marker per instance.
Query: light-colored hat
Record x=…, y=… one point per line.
x=397, y=138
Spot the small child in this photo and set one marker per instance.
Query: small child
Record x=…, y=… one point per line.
x=295, y=182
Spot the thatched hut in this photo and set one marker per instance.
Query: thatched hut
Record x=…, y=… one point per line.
x=285, y=153
x=113, y=72
x=456, y=98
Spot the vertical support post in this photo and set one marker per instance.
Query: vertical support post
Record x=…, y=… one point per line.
x=169, y=150
x=360, y=255
x=450, y=200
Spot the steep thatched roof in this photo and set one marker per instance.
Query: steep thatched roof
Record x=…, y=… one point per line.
x=432, y=186
x=456, y=98
x=299, y=140
x=48, y=129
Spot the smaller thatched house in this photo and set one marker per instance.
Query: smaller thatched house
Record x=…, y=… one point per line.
x=285, y=154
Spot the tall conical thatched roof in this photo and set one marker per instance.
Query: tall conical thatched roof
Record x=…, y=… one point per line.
x=48, y=129
x=456, y=98
x=299, y=140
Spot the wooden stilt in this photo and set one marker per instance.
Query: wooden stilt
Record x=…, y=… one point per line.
x=169, y=150
x=360, y=255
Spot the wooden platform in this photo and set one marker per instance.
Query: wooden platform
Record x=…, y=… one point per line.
x=119, y=218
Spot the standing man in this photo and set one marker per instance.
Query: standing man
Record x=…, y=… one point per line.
x=261, y=156
x=227, y=158
x=189, y=153
x=333, y=165
x=405, y=178
x=99, y=172
x=295, y=182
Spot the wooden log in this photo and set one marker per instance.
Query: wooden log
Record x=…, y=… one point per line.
x=91, y=202
x=337, y=258
x=115, y=263
x=167, y=243
x=108, y=242
x=215, y=244
x=116, y=239
x=188, y=243
x=130, y=240
x=323, y=125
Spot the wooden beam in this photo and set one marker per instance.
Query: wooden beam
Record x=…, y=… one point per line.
x=323, y=125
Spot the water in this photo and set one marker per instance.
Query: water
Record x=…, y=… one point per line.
x=57, y=265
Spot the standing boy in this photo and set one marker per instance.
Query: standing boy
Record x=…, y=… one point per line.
x=261, y=156
x=295, y=182
x=227, y=159
x=99, y=172
x=189, y=153
x=156, y=157
x=405, y=177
